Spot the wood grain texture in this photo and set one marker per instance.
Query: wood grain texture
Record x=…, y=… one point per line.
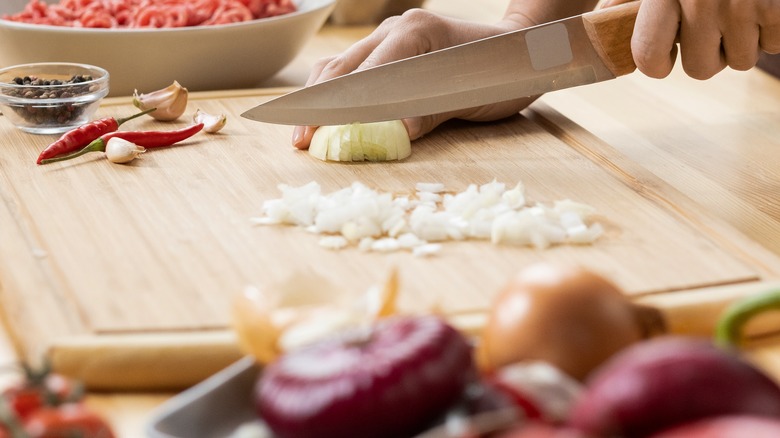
x=715, y=141
x=98, y=256
x=610, y=31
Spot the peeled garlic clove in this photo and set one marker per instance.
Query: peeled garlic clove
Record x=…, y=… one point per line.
x=211, y=122
x=122, y=151
x=171, y=102
x=379, y=141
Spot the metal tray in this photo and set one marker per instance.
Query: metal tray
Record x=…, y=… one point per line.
x=221, y=404
x=214, y=408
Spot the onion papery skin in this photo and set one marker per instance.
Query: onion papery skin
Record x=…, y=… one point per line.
x=395, y=382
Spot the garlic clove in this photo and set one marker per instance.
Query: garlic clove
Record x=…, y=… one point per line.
x=212, y=123
x=171, y=102
x=122, y=151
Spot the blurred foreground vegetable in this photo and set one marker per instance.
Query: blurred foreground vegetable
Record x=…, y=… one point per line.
x=726, y=426
x=48, y=405
x=567, y=316
x=668, y=381
x=305, y=309
x=390, y=379
x=731, y=324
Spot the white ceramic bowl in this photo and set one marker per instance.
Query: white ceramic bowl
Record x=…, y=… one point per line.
x=230, y=56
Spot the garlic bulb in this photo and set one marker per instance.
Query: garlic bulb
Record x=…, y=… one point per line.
x=122, y=151
x=171, y=102
x=379, y=141
x=212, y=123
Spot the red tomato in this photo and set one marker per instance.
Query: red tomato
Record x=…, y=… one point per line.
x=24, y=400
x=34, y=394
x=68, y=420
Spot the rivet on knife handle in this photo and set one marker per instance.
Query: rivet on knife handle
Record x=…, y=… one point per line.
x=610, y=31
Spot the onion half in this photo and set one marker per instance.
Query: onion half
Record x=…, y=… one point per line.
x=379, y=141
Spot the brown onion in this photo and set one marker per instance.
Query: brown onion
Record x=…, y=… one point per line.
x=567, y=316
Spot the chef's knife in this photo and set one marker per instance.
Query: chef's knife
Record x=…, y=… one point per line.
x=580, y=50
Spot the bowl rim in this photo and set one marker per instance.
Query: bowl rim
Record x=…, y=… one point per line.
x=101, y=80
x=317, y=5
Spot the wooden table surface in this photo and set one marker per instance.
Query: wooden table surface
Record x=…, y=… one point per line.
x=717, y=141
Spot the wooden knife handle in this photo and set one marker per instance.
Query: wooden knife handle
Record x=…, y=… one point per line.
x=610, y=31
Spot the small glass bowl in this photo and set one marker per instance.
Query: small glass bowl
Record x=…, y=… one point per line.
x=51, y=97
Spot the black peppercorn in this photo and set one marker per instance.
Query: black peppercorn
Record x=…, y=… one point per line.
x=48, y=110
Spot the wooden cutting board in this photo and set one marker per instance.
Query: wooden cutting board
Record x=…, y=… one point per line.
x=124, y=274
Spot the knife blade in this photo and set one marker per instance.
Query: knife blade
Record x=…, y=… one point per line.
x=580, y=50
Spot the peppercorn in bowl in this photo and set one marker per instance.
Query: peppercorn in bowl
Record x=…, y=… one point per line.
x=51, y=97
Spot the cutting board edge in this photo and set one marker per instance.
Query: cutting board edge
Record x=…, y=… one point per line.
x=143, y=361
x=175, y=361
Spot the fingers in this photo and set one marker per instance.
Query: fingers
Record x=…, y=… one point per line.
x=653, y=43
x=769, y=39
x=740, y=39
x=416, y=32
x=700, y=40
x=301, y=138
x=712, y=34
x=413, y=33
x=351, y=58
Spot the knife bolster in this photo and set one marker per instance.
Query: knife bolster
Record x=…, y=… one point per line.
x=610, y=32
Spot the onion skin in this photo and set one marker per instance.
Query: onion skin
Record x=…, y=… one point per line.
x=669, y=381
x=394, y=382
x=567, y=316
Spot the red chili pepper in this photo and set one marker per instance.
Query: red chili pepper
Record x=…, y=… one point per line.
x=153, y=139
x=77, y=138
x=147, y=139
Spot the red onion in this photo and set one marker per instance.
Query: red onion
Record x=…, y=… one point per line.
x=393, y=379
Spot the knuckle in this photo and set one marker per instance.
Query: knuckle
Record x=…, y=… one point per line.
x=698, y=71
x=771, y=45
x=333, y=66
x=321, y=63
x=742, y=62
x=420, y=21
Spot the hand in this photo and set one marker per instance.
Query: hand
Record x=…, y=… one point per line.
x=415, y=32
x=712, y=34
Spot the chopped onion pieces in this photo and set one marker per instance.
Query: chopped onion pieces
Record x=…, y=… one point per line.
x=375, y=221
